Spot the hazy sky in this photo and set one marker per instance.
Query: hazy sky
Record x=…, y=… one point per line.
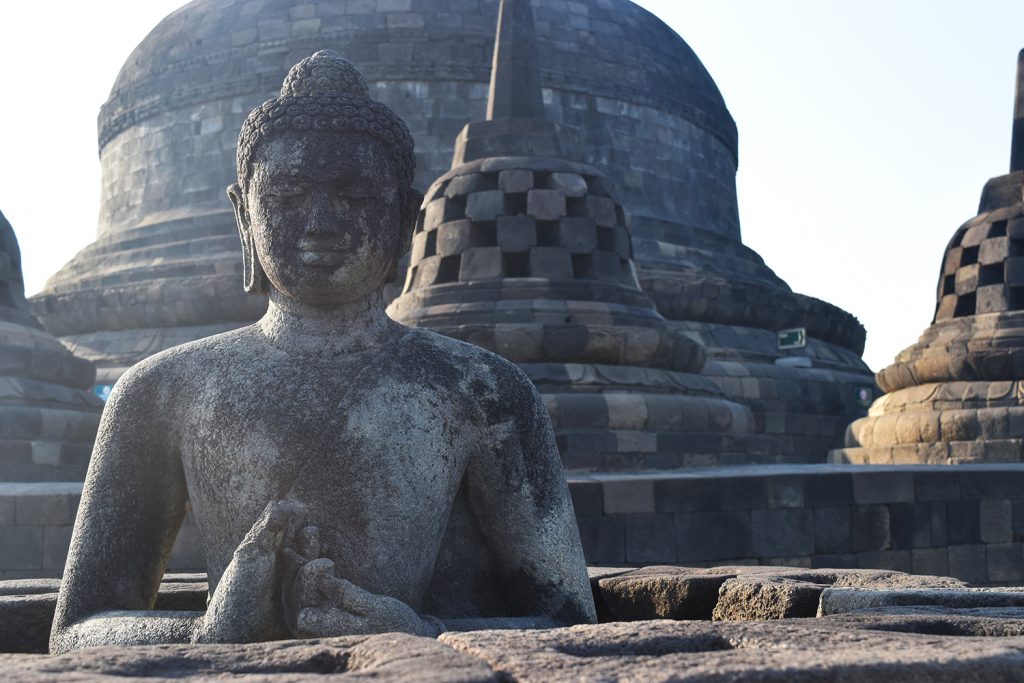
x=866, y=132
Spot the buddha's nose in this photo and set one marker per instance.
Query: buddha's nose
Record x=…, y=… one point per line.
x=321, y=219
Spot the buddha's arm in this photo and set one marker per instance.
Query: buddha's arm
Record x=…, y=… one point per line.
x=132, y=505
x=518, y=493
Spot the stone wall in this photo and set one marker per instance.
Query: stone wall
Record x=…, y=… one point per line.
x=965, y=521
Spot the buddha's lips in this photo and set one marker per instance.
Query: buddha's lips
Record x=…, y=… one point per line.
x=323, y=255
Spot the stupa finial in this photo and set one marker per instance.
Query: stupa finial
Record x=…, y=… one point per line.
x=1017, y=143
x=515, y=74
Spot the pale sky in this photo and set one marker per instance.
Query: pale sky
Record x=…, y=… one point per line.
x=866, y=132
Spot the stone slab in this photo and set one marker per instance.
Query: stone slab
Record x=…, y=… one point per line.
x=840, y=600
x=794, y=651
x=385, y=657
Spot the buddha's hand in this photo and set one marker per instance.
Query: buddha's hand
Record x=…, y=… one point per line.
x=246, y=604
x=320, y=604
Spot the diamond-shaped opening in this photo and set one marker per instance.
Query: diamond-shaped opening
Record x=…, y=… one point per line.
x=448, y=271
x=620, y=215
x=957, y=238
x=990, y=275
x=968, y=256
x=583, y=266
x=576, y=207
x=419, y=222
x=430, y=249
x=1016, y=298
x=483, y=234
x=965, y=305
x=948, y=285
x=606, y=239
x=517, y=264
x=998, y=229
x=515, y=204
x=547, y=233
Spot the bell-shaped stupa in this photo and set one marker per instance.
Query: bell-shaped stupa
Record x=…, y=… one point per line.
x=957, y=395
x=525, y=251
x=48, y=416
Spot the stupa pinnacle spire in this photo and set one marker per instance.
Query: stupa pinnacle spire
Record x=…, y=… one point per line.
x=515, y=74
x=1017, y=144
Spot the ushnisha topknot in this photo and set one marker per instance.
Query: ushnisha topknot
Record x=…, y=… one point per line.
x=325, y=92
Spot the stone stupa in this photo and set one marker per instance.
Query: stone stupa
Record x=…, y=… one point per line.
x=48, y=416
x=957, y=395
x=524, y=250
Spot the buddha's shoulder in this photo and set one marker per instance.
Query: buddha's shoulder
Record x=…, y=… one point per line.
x=462, y=364
x=180, y=362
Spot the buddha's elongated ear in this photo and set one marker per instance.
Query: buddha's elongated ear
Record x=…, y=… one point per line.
x=254, y=280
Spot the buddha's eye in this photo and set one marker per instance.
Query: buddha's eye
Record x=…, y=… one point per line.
x=286, y=194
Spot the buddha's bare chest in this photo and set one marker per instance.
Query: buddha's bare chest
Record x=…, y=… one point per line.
x=377, y=465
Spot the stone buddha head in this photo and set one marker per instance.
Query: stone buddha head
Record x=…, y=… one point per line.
x=324, y=194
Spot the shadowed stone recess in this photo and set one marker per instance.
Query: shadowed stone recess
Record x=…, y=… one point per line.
x=48, y=418
x=955, y=396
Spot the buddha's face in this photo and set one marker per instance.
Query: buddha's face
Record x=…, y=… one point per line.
x=323, y=213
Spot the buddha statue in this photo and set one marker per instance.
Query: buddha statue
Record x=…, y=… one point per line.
x=347, y=474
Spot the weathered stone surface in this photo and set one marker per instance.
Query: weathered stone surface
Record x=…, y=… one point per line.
x=938, y=621
x=387, y=657
x=841, y=600
x=791, y=593
x=737, y=593
x=800, y=651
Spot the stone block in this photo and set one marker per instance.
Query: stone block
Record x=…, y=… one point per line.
x=607, y=266
x=929, y=486
x=626, y=411
x=832, y=530
x=545, y=205
x=967, y=278
x=996, y=521
x=686, y=494
x=463, y=185
x=829, y=489
x=933, y=561
x=569, y=184
x=484, y=206
x=56, y=541
x=602, y=210
x=516, y=233
x=603, y=538
x=783, y=531
x=871, y=530
x=883, y=487
x=22, y=547
x=628, y=496
x=453, y=238
x=896, y=560
x=963, y=525
x=1013, y=271
x=910, y=524
x=968, y=562
x=718, y=536
x=481, y=263
x=578, y=235
x=992, y=299
x=554, y=263
x=587, y=498
x=515, y=181
x=1005, y=563
x=650, y=539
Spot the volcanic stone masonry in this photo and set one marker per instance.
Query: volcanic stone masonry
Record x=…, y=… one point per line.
x=646, y=115
x=527, y=254
x=956, y=396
